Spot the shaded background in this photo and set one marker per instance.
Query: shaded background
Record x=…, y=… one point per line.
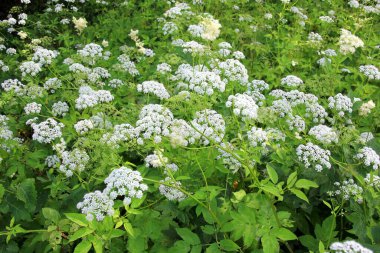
x=6, y=5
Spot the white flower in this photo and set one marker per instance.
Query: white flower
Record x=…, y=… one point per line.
x=341, y=104
x=312, y=155
x=291, y=81
x=370, y=71
x=155, y=88
x=30, y=67
x=369, y=157
x=348, y=189
x=366, y=108
x=83, y=126
x=324, y=134
x=243, y=105
x=257, y=137
x=74, y=161
x=32, y=108
x=60, y=108
x=124, y=182
x=171, y=193
x=349, y=43
x=96, y=204
x=80, y=24
x=211, y=28
x=210, y=125
x=47, y=131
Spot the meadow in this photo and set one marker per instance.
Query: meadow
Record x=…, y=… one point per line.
x=191, y=126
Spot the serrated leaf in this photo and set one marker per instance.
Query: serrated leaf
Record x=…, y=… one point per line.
x=229, y=245
x=117, y=233
x=82, y=232
x=188, y=236
x=77, y=218
x=83, y=247
x=306, y=184
x=51, y=214
x=272, y=174
x=284, y=234
x=26, y=192
x=270, y=188
x=270, y=244
x=300, y=194
x=291, y=179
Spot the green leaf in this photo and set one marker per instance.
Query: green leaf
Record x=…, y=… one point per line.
x=213, y=248
x=284, y=234
x=116, y=233
x=83, y=247
x=51, y=214
x=300, y=194
x=180, y=246
x=80, y=233
x=272, y=174
x=98, y=245
x=188, y=236
x=229, y=245
x=291, y=179
x=77, y=218
x=128, y=227
x=270, y=244
x=26, y=192
x=321, y=247
x=270, y=188
x=2, y=190
x=306, y=184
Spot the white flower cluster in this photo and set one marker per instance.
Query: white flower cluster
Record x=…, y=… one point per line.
x=372, y=180
x=47, y=131
x=312, y=155
x=178, y=10
x=348, y=189
x=370, y=71
x=182, y=134
x=156, y=160
x=121, y=133
x=13, y=84
x=96, y=204
x=124, y=182
x=52, y=160
x=296, y=122
x=349, y=43
x=341, y=104
x=164, y=68
x=227, y=158
x=291, y=81
x=128, y=65
x=314, y=38
x=44, y=56
x=326, y=19
x=210, y=125
x=198, y=79
x=324, y=134
x=369, y=157
x=243, y=105
x=115, y=83
x=193, y=47
x=169, y=28
x=32, y=108
x=89, y=97
x=349, y=247
x=294, y=98
x=3, y=67
x=366, y=108
x=234, y=70
x=91, y=50
x=154, y=121
x=83, y=126
x=52, y=84
x=60, y=108
x=5, y=132
x=366, y=137
x=30, y=68
x=153, y=87
x=257, y=137
x=76, y=160
x=171, y=193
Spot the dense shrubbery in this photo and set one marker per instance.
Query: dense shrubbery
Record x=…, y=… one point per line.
x=202, y=126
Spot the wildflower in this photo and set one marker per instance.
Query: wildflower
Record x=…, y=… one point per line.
x=80, y=24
